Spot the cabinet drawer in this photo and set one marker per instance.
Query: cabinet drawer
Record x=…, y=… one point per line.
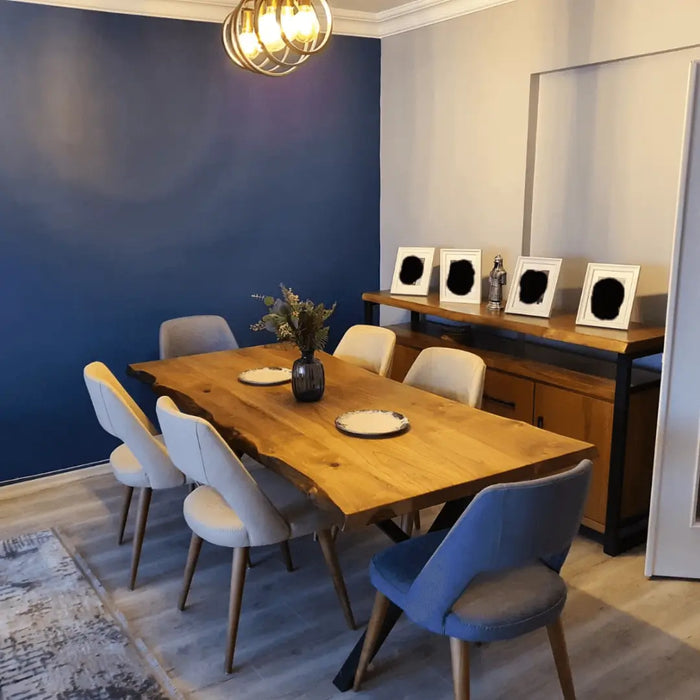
x=508, y=396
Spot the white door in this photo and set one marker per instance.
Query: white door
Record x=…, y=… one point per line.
x=674, y=524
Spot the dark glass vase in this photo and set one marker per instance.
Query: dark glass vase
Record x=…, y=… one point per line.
x=308, y=379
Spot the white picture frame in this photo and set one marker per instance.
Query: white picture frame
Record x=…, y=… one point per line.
x=598, y=303
x=460, y=275
x=412, y=271
x=532, y=286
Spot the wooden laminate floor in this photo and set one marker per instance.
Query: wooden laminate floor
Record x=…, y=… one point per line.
x=628, y=637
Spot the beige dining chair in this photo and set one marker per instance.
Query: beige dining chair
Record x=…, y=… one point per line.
x=370, y=347
x=450, y=372
x=193, y=335
x=141, y=461
x=232, y=507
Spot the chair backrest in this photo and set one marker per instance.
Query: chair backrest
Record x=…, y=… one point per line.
x=370, y=347
x=120, y=416
x=193, y=335
x=201, y=453
x=449, y=372
x=506, y=526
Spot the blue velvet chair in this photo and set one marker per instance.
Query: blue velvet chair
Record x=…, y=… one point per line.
x=494, y=575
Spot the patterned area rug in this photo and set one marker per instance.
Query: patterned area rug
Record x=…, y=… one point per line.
x=57, y=639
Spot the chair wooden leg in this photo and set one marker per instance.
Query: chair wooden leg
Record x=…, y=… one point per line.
x=238, y=571
x=329, y=554
x=459, y=650
x=381, y=605
x=416, y=520
x=287, y=555
x=561, y=658
x=125, y=513
x=192, y=556
x=141, y=518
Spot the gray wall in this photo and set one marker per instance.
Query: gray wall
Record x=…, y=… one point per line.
x=457, y=113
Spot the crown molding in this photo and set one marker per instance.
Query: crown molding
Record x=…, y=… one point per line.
x=373, y=25
x=356, y=23
x=422, y=13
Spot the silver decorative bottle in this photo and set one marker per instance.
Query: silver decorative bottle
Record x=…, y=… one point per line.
x=497, y=279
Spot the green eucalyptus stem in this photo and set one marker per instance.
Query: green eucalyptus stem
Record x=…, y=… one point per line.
x=295, y=321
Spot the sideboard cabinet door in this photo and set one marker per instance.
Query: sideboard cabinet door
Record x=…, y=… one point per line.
x=583, y=418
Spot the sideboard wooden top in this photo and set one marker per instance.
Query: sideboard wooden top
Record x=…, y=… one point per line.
x=561, y=327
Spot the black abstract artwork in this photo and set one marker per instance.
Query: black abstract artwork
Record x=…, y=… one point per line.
x=411, y=269
x=460, y=279
x=606, y=298
x=533, y=285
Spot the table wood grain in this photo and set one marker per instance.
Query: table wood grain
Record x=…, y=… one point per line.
x=450, y=451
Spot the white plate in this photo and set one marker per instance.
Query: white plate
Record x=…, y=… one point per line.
x=266, y=376
x=372, y=423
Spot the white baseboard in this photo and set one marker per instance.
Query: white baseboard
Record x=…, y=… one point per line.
x=53, y=479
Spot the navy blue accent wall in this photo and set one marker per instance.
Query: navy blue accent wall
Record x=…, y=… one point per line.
x=142, y=177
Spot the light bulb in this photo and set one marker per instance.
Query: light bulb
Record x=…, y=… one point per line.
x=247, y=40
x=289, y=21
x=307, y=23
x=249, y=44
x=270, y=32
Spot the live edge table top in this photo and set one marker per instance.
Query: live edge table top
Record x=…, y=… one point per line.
x=450, y=450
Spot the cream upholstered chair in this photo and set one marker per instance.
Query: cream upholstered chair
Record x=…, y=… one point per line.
x=141, y=461
x=233, y=507
x=450, y=372
x=370, y=347
x=193, y=335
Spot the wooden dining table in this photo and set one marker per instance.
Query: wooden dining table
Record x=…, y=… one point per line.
x=449, y=453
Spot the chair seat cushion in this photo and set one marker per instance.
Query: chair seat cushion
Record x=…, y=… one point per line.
x=505, y=604
x=298, y=509
x=495, y=605
x=209, y=515
x=127, y=469
x=392, y=571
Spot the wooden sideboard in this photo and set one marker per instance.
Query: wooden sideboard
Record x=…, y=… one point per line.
x=574, y=380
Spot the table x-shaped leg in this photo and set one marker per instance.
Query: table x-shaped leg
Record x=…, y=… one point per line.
x=446, y=518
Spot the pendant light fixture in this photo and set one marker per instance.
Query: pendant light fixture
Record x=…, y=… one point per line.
x=273, y=37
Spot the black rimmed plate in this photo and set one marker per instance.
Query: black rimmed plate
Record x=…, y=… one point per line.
x=266, y=376
x=372, y=423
